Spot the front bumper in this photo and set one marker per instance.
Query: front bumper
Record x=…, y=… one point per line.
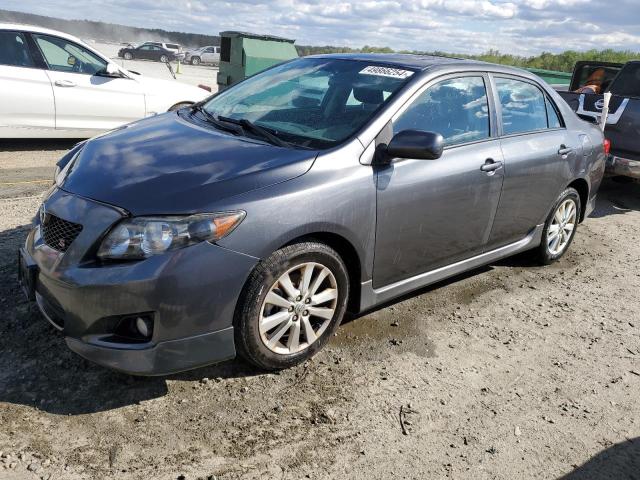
x=622, y=166
x=190, y=293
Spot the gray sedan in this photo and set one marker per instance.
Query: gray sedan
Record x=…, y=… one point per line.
x=251, y=222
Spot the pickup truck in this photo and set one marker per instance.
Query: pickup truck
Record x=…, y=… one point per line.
x=623, y=123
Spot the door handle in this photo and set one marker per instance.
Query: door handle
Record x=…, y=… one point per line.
x=490, y=166
x=64, y=83
x=564, y=150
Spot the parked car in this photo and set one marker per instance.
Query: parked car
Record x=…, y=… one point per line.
x=147, y=52
x=200, y=55
x=623, y=124
x=54, y=85
x=174, y=48
x=251, y=222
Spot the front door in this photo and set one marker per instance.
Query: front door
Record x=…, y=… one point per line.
x=432, y=213
x=85, y=99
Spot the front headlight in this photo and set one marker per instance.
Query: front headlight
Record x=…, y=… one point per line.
x=142, y=237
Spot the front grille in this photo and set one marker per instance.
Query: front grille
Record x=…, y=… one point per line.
x=58, y=233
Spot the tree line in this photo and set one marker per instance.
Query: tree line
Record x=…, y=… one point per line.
x=562, y=62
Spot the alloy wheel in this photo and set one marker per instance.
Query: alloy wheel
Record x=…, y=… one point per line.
x=298, y=308
x=562, y=227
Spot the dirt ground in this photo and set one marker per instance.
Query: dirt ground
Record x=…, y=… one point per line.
x=513, y=371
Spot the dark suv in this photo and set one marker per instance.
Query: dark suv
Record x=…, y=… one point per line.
x=252, y=221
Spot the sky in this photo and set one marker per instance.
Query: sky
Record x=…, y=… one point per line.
x=524, y=27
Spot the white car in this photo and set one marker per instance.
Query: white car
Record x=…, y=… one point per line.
x=200, y=55
x=53, y=85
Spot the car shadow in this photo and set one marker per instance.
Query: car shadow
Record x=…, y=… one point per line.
x=38, y=370
x=621, y=461
x=43, y=144
x=617, y=197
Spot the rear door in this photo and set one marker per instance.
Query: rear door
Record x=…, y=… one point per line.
x=26, y=96
x=432, y=213
x=538, y=152
x=85, y=100
x=145, y=52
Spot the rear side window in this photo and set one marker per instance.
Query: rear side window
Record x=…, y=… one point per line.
x=173, y=46
x=457, y=109
x=523, y=106
x=553, y=118
x=14, y=51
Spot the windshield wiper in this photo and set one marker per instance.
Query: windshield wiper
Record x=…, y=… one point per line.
x=256, y=129
x=197, y=107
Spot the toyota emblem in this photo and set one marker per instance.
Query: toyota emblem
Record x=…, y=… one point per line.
x=44, y=216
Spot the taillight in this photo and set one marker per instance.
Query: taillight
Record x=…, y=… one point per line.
x=607, y=146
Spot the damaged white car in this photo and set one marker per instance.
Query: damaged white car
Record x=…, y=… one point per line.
x=56, y=86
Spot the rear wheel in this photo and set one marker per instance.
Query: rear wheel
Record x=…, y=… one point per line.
x=560, y=227
x=164, y=58
x=292, y=303
x=128, y=56
x=195, y=60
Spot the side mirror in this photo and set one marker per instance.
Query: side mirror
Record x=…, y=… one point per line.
x=415, y=144
x=111, y=70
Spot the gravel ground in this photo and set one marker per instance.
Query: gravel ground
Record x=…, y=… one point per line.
x=513, y=371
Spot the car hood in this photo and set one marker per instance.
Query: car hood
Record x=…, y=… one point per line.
x=160, y=87
x=168, y=165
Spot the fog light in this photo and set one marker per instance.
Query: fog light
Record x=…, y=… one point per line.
x=144, y=326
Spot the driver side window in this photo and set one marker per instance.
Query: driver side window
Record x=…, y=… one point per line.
x=64, y=56
x=456, y=108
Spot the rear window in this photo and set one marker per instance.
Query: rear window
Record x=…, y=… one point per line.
x=587, y=72
x=627, y=84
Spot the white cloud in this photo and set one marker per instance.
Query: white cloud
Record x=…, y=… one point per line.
x=457, y=26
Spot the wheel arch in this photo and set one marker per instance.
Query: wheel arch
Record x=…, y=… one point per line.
x=582, y=187
x=349, y=255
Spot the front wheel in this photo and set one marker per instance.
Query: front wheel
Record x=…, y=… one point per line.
x=560, y=227
x=128, y=56
x=195, y=60
x=292, y=303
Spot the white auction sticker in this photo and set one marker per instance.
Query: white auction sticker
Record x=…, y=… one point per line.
x=386, y=72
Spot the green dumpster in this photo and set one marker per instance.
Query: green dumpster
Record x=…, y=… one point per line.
x=552, y=77
x=245, y=54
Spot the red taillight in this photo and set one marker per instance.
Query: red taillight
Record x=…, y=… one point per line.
x=205, y=87
x=607, y=146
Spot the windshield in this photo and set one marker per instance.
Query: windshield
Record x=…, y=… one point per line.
x=312, y=102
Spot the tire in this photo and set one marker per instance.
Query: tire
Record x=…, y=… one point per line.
x=551, y=248
x=265, y=332
x=164, y=58
x=128, y=56
x=178, y=106
x=195, y=60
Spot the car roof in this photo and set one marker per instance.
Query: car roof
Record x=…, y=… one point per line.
x=428, y=62
x=35, y=29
